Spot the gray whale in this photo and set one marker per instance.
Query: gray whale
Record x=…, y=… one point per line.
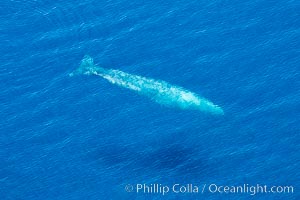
x=157, y=90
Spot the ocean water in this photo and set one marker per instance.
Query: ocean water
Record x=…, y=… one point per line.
x=81, y=137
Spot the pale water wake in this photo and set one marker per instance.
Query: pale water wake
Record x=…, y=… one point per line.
x=157, y=90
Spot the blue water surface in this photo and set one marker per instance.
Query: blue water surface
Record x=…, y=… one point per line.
x=81, y=137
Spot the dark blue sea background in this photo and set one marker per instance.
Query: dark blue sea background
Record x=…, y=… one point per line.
x=82, y=137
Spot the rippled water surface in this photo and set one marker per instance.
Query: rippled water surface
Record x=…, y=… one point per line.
x=82, y=137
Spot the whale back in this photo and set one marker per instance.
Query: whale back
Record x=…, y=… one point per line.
x=157, y=90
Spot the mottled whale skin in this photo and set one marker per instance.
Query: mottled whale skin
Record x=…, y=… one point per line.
x=160, y=91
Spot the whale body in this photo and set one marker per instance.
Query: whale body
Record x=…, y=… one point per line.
x=160, y=91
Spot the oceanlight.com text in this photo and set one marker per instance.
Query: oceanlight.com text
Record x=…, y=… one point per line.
x=163, y=189
x=249, y=189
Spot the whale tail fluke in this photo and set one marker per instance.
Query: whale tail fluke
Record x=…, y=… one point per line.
x=86, y=66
